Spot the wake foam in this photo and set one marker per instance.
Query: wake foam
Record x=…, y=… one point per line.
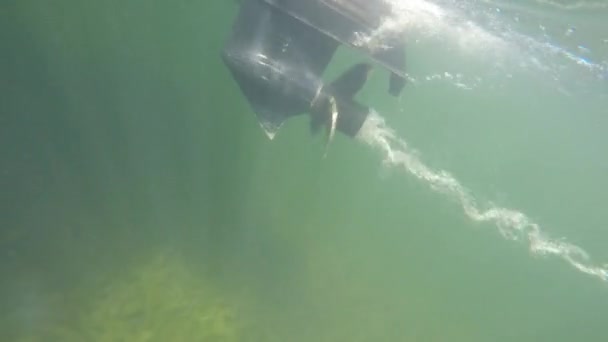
x=512, y=224
x=503, y=37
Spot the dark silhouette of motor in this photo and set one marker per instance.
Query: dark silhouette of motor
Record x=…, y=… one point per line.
x=279, y=49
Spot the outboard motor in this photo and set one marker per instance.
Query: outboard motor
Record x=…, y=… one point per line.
x=279, y=49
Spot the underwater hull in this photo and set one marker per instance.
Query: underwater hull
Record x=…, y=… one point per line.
x=346, y=21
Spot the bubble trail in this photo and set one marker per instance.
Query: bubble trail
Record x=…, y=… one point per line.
x=512, y=224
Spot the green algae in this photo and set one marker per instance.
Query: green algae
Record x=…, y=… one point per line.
x=161, y=300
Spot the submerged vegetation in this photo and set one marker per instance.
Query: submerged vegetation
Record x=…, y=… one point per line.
x=161, y=300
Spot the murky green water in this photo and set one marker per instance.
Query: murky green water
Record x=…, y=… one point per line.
x=140, y=201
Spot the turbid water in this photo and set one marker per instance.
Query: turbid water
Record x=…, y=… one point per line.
x=140, y=200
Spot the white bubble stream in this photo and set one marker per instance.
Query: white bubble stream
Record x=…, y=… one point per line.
x=512, y=224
